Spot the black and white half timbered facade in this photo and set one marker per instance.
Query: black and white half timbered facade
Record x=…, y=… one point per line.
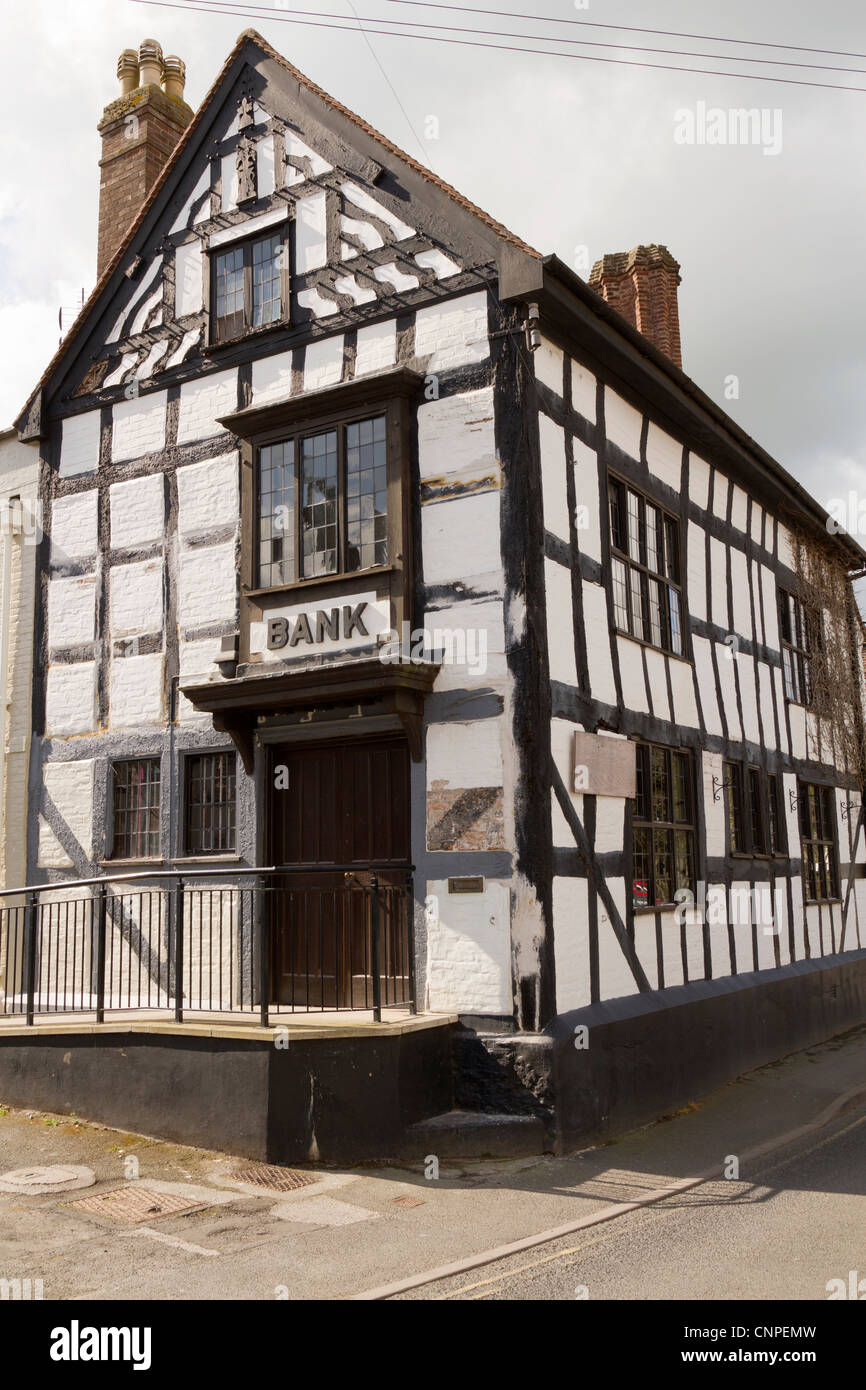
x=380, y=548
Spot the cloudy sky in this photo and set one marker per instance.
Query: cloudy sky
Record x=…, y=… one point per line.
x=578, y=157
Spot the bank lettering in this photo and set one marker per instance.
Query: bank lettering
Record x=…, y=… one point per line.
x=312, y=628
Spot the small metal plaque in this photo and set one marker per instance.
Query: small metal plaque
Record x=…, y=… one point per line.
x=466, y=885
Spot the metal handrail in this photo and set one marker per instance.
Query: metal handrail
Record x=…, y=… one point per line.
x=186, y=883
x=192, y=871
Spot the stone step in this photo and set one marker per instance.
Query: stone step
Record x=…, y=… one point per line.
x=475, y=1134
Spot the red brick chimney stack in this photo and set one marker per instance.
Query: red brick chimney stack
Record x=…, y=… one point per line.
x=139, y=132
x=642, y=286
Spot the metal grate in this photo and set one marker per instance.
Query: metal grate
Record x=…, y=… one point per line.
x=274, y=1178
x=134, y=1204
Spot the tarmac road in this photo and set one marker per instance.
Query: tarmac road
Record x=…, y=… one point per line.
x=784, y=1231
x=789, y=1222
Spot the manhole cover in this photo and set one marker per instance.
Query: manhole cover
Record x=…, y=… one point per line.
x=133, y=1204
x=408, y=1202
x=32, y=1182
x=274, y=1178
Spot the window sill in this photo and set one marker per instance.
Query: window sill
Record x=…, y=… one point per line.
x=320, y=580
x=249, y=335
x=203, y=859
x=152, y=862
x=642, y=642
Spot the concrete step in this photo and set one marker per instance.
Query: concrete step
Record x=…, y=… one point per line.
x=475, y=1134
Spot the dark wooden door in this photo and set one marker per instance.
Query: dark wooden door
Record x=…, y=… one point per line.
x=333, y=804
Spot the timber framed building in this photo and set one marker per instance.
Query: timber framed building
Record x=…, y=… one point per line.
x=379, y=545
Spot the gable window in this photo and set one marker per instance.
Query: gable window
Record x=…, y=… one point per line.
x=135, y=808
x=323, y=503
x=800, y=640
x=818, y=835
x=645, y=562
x=248, y=286
x=663, y=829
x=210, y=803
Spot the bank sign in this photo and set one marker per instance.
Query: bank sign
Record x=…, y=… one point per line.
x=341, y=624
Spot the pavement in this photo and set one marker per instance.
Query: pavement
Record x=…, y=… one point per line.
x=649, y=1215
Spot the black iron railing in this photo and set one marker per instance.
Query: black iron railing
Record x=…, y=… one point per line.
x=299, y=938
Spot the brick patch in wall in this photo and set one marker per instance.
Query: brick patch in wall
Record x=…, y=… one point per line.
x=464, y=818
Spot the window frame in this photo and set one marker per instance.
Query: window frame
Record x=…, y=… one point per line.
x=396, y=490
x=735, y=806
x=748, y=788
x=639, y=567
x=826, y=801
x=280, y=232
x=115, y=840
x=189, y=759
x=797, y=656
x=671, y=825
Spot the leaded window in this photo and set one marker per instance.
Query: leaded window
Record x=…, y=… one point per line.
x=818, y=835
x=248, y=286
x=800, y=629
x=323, y=503
x=135, y=809
x=645, y=565
x=210, y=803
x=663, y=828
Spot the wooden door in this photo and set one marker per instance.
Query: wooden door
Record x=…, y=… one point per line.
x=336, y=803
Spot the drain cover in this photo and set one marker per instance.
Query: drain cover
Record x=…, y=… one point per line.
x=32, y=1182
x=134, y=1204
x=276, y=1179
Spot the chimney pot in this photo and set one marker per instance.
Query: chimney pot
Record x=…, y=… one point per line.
x=139, y=131
x=641, y=284
x=150, y=63
x=127, y=71
x=174, y=77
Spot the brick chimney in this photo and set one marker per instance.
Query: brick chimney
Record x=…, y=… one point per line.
x=139, y=132
x=642, y=286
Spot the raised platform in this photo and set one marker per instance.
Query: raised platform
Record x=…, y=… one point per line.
x=330, y=1089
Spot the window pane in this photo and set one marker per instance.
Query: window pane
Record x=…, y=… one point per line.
x=676, y=632
x=731, y=774
x=136, y=809
x=672, y=550
x=366, y=494
x=637, y=604
x=230, y=293
x=663, y=864
x=210, y=803
x=681, y=788
x=319, y=504
x=660, y=785
x=634, y=526
x=643, y=801
x=266, y=280
x=656, y=612
x=617, y=515
x=276, y=515
x=620, y=597
x=642, y=866
x=773, y=804
x=653, y=539
x=755, y=811
x=683, y=874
